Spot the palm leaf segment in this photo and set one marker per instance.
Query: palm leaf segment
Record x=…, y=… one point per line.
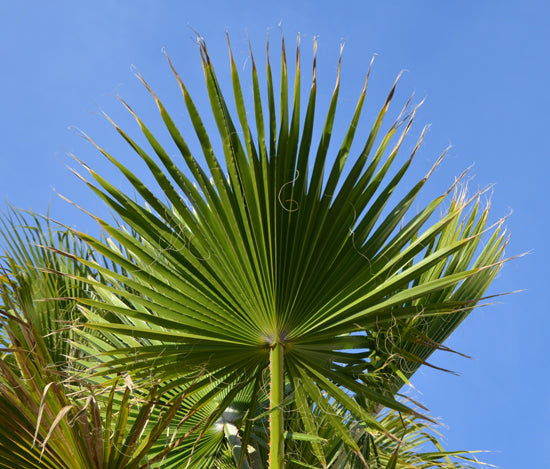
x=285, y=255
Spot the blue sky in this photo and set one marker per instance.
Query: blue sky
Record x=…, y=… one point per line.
x=483, y=68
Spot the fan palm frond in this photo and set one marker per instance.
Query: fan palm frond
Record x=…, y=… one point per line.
x=286, y=255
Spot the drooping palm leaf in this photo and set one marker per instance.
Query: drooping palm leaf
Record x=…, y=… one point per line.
x=285, y=255
x=49, y=419
x=418, y=447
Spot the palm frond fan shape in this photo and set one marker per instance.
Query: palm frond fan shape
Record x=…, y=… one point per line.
x=285, y=266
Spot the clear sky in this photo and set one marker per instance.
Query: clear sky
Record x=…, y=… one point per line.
x=483, y=67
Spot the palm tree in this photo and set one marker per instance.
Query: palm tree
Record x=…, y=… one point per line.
x=281, y=285
x=52, y=417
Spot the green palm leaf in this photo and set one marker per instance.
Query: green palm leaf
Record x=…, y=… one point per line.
x=28, y=242
x=273, y=258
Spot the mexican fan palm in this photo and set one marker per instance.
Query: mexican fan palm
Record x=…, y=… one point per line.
x=278, y=262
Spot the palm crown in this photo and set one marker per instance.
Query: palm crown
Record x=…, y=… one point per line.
x=282, y=283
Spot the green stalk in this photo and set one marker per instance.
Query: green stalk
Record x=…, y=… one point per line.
x=276, y=430
x=235, y=443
